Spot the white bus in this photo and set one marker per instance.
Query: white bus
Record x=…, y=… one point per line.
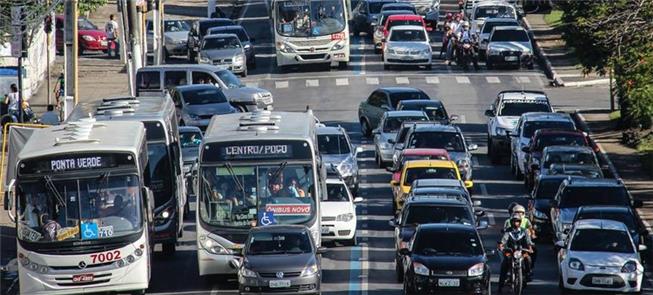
x=311, y=31
x=82, y=212
x=255, y=169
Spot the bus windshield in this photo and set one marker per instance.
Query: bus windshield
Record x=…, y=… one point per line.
x=310, y=18
x=94, y=208
x=234, y=196
x=160, y=170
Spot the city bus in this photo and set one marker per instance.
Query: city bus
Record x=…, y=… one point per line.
x=255, y=169
x=311, y=31
x=165, y=175
x=82, y=211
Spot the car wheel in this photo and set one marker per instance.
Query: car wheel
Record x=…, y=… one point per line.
x=489, y=65
x=429, y=67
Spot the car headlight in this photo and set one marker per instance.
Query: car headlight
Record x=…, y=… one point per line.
x=339, y=45
x=500, y=131
x=420, y=269
x=239, y=59
x=539, y=214
x=346, y=169
x=476, y=270
x=576, y=264
x=204, y=59
x=345, y=217
x=88, y=38
x=630, y=266
x=310, y=271
x=213, y=246
x=194, y=117
x=247, y=273
x=426, y=51
x=493, y=51
x=285, y=48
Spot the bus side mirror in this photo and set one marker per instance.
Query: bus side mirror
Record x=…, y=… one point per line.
x=149, y=204
x=9, y=200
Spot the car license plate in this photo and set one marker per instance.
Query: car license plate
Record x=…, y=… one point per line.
x=104, y=43
x=279, y=283
x=510, y=58
x=83, y=278
x=325, y=230
x=601, y=281
x=448, y=282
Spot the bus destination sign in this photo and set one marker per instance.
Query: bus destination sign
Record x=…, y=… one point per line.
x=256, y=150
x=63, y=163
x=76, y=164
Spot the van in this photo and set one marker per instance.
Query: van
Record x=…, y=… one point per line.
x=153, y=80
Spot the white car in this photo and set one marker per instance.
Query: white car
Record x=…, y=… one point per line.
x=600, y=256
x=407, y=45
x=489, y=9
x=339, y=213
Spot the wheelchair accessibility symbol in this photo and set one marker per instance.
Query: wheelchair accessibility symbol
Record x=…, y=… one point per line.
x=89, y=231
x=266, y=218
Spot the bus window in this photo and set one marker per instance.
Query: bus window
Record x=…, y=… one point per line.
x=160, y=171
x=310, y=18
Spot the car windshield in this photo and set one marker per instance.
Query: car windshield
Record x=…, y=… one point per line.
x=518, y=108
x=601, y=240
x=203, y=96
x=333, y=144
x=233, y=196
x=487, y=28
x=450, y=141
x=375, y=7
x=577, y=196
x=499, y=11
x=569, y=157
x=547, y=189
x=160, y=172
x=239, y=32
x=229, y=79
x=190, y=139
x=405, y=22
x=424, y=214
x=221, y=43
x=531, y=126
x=467, y=243
x=559, y=139
x=509, y=36
x=408, y=35
x=424, y=157
x=175, y=26
x=624, y=217
x=310, y=18
x=92, y=208
x=206, y=25
x=433, y=111
x=394, y=7
x=428, y=173
x=396, y=97
x=85, y=24
x=337, y=192
x=392, y=124
x=270, y=243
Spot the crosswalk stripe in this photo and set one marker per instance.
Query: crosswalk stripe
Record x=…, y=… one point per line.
x=402, y=80
x=523, y=79
x=252, y=84
x=281, y=84
x=342, y=81
x=312, y=83
x=493, y=80
x=462, y=80
x=372, y=81
x=432, y=80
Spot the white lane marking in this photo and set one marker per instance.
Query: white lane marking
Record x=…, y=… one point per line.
x=402, y=80
x=491, y=220
x=381, y=74
x=312, y=83
x=483, y=189
x=462, y=80
x=214, y=290
x=372, y=81
x=432, y=80
x=493, y=80
x=281, y=84
x=265, y=55
x=523, y=79
x=342, y=81
x=462, y=119
x=252, y=84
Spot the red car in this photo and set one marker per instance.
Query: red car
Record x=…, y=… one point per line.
x=90, y=37
x=403, y=20
x=417, y=154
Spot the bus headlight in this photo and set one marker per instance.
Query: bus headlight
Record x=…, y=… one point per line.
x=338, y=46
x=285, y=48
x=212, y=246
x=25, y=262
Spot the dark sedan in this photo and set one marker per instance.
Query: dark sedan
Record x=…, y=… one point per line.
x=371, y=110
x=539, y=205
x=197, y=104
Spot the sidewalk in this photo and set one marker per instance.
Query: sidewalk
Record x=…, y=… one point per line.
x=561, y=61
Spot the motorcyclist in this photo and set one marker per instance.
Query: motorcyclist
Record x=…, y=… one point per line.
x=453, y=25
x=447, y=21
x=465, y=35
x=526, y=224
x=514, y=236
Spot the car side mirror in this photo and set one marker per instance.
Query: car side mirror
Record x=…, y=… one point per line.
x=386, y=107
x=358, y=200
x=482, y=225
x=560, y=244
x=454, y=117
x=638, y=203
x=472, y=147
x=526, y=149
x=642, y=248
x=479, y=213
x=235, y=263
x=489, y=113
x=404, y=251
x=321, y=250
x=469, y=184
x=476, y=203
x=394, y=183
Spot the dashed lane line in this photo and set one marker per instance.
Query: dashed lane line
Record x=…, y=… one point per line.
x=342, y=81
x=312, y=83
x=372, y=81
x=281, y=84
x=462, y=80
x=493, y=80
x=432, y=80
x=402, y=80
x=523, y=79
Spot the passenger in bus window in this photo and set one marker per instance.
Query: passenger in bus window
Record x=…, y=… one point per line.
x=50, y=227
x=294, y=188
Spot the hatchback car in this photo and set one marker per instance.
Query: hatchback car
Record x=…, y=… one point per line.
x=387, y=132
x=379, y=31
x=197, y=32
x=433, y=267
x=89, y=36
x=486, y=29
x=337, y=151
x=279, y=259
x=371, y=110
x=407, y=45
x=338, y=212
x=224, y=50
x=540, y=200
x=600, y=256
x=510, y=45
x=245, y=40
x=623, y=214
x=433, y=108
x=197, y=104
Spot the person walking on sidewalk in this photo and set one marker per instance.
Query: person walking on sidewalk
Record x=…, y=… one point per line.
x=111, y=28
x=59, y=89
x=11, y=100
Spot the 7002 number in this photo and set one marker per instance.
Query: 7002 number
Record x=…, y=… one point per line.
x=106, y=256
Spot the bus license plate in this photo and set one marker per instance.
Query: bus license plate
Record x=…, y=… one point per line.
x=279, y=283
x=325, y=230
x=449, y=282
x=601, y=281
x=83, y=278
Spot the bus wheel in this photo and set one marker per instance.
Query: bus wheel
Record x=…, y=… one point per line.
x=169, y=248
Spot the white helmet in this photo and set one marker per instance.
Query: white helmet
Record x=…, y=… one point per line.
x=466, y=24
x=519, y=209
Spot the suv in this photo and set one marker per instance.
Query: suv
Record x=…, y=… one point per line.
x=383, y=100
x=527, y=125
x=337, y=151
x=504, y=114
x=510, y=45
x=577, y=192
x=486, y=29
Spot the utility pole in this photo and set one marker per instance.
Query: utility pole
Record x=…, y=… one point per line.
x=19, y=28
x=71, y=50
x=157, y=32
x=134, y=37
x=125, y=48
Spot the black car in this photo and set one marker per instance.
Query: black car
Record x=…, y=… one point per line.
x=365, y=15
x=446, y=258
x=245, y=39
x=197, y=32
x=197, y=104
x=382, y=100
x=433, y=108
x=617, y=213
x=539, y=205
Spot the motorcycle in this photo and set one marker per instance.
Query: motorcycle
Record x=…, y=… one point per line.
x=516, y=277
x=466, y=53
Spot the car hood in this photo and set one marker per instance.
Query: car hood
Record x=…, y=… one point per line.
x=335, y=159
x=277, y=263
x=190, y=154
x=606, y=259
x=507, y=122
x=567, y=214
x=176, y=36
x=335, y=208
x=221, y=53
x=407, y=45
x=449, y=262
x=94, y=33
x=513, y=46
x=210, y=109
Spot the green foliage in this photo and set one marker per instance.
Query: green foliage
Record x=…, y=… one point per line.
x=554, y=18
x=85, y=6
x=616, y=115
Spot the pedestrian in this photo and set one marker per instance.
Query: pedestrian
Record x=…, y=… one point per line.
x=50, y=117
x=59, y=89
x=11, y=100
x=111, y=29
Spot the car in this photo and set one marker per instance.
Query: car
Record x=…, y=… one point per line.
x=400, y=20
x=569, y=160
x=428, y=183
x=336, y=150
x=489, y=9
x=379, y=33
x=175, y=37
x=198, y=31
x=421, y=169
x=279, y=259
x=338, y=213
x=89, y=36
x=416, y=154
x=387, y=132
x=429, y=10
x=448, y=137
x=444, y=206
x=540, y=200
x=398, y=6
x=510, y=45
x=544, y=138
x=245, y=40
x=365, y=16
x=600, y=256
x=578, y=192
x=398, y=142
x=525, y=129
x=486, y=29
x=224, y=50
x=423, y=191
x=433, y=267
x=371, y=110
x=190, y=138
x=197, y=104
x=504, y=114
x=433, y=108
x=623, y=214
x=407, y=45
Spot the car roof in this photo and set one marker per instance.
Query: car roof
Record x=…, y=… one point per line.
x=589, y=182
x=196, y=87
x=430, y=163
x=508, y=28
x=421, y=102
x=435, y=182
x=280, y=228
x=600, y=224
x=221, y=35
x=523, y=95
x=405, y=17
x=404, y=113
x=425, y=152
x=406, y=27
x=329, y=130
x=189, y=129
x=436, y=127
x=567, y=148
x=545, y=132
x=544, y=116
x=393, y=89
x=447, y=227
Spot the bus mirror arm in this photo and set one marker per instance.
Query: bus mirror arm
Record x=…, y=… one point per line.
x=9, y=200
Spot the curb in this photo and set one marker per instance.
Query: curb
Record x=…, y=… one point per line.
x=580, y=120
x=556, y=81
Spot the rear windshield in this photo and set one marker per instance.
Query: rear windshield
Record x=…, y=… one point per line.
x=393, y=124
x=570, y=158
x=495, y=11
x=408, y=36
x=622, y=217
x=601, y=240
x=490, y=25
x=510, y=36
x=429, y=172
x=450, y=141
x=423, y=214
x=532, y=126
x=404, y=22
x=396, y=97
x=203, y=96
x=559, y=139
x=519, y=108
x=435, y=112
x=467, y=243
x=548, y=188
x=573, y=197
x=266, y=243
x=221, y=43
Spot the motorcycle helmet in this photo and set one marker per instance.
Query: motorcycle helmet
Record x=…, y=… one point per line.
x=518, y=209
x=465, y=24
x=515, y=217
x=449, y=16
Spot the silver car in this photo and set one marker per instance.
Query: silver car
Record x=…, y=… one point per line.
x=407, y=45
x=484, y=32
x=387, y=132
x=336, y=150
x=224, y=50
x=510, y=45
x=175, y=37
